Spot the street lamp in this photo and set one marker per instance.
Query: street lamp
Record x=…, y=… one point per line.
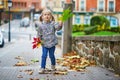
x=9, y=6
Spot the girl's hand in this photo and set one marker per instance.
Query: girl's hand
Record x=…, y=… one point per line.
x=61, y=23
x=42, y=42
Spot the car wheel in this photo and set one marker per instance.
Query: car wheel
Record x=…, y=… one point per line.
x=2, y=44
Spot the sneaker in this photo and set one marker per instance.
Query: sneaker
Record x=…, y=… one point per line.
x=53, y=67
x=42, y=71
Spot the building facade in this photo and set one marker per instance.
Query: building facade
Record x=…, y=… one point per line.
x=2, y=6
x=20, y=8
x=85, y=9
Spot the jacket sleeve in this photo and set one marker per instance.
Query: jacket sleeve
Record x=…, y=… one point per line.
x=58, y=26
x=39, y=32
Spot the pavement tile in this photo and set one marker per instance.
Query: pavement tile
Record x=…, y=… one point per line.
x=23, y=51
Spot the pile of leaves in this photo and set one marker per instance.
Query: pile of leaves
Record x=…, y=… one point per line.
x=74, y=62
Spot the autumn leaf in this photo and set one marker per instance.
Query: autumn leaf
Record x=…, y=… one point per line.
x=19, y=76
x=21, y=63
x=34, y=46
x=30, y=72
x=36, y=43
x=66, y=15
x=35, y=60
x=19, y=57
x=60, y=73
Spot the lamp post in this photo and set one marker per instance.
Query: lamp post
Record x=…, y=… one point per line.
x=9, y=6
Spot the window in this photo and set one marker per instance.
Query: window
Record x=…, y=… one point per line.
x=101, y=5
x=111, y=6
x=19, y=4
x=87, y=19
x=113, y=21
x=82, y=5
x=1, y=2
x=73, y=5
x=62, y=4
x=77, y=19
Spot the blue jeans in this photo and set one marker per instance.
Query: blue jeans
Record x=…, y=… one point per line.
x=51, y=56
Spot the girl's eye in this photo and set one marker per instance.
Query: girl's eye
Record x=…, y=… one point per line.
x=46, y=14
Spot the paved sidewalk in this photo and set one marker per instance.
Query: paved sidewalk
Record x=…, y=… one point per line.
x=24, y=49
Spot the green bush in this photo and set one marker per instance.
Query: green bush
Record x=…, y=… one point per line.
x=90, y=30
x=115, y=29
x=75, y=28
x=86, y=25
x=100, y=20
x=119, y=28
x=81, y=27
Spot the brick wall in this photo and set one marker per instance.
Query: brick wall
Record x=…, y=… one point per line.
x=105, y=50
x=117, y=5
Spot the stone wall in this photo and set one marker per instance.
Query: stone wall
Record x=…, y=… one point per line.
x=105, y=50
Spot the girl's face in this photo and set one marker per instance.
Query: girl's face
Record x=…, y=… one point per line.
x=46, y=16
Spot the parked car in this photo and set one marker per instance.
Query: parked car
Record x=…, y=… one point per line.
x=59, y=32
x=36, y=17
x=1, y=39
x=25, y=22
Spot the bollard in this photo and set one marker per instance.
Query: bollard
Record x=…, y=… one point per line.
x=30, y=36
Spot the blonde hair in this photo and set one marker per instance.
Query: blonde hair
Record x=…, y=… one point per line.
x=46, y=11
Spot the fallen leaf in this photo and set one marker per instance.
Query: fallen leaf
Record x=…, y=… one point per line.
x=35, y=60
x=30, y=72
x=21, y=63
x=33, y=79
x=19, y=76
x=117, y=75
x=19, y=57
x=60, y=73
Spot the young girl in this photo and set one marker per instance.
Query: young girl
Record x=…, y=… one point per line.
x=46, y=32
